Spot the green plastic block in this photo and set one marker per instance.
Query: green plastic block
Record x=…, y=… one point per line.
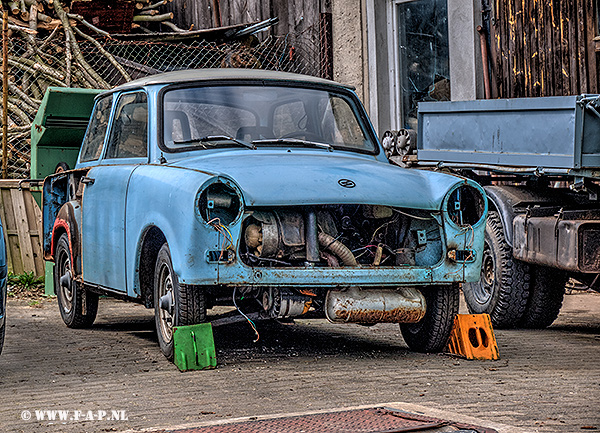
x=194, y=347
x=49, y=279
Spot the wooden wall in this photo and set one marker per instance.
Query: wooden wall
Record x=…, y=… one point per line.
x=543, y=47
x=295, y=17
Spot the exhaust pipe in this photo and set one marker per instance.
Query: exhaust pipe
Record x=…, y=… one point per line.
x=353, y=305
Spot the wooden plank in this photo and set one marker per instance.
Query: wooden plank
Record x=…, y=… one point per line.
x=581, y=52
x=558, y=51
x=540, y=36
x=564, y=40
x=549, y=66
x=495, y=52
x=591, y=29
x=13, y=249
x=506, y=64
x=528, y=24
x=9, y=261
x=521, y=78
x=34, y=219
x=573, y=69
x=23, y=230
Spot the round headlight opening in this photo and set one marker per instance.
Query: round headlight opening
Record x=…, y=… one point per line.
x=466, y=206
x=219, y=200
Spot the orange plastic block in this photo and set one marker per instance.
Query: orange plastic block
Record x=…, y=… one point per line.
x=473, y=337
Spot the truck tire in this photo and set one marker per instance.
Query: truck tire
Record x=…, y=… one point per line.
x=503, y=288
x=545, y=298
x=70, y=294
x=188, y=305
x=431, y=334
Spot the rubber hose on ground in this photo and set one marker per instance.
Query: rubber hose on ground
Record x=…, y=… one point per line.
x=339, y=249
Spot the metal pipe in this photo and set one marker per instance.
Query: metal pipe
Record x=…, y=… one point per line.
x=498, y=168
x=312, y=239
x=404, y=305
x=484, y=60
x=4, y=92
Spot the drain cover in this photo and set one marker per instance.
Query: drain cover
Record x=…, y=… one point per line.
x=374, y=420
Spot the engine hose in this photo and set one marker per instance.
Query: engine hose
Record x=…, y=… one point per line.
x=339, y=249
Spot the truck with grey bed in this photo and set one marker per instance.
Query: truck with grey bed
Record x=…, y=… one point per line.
x=539, y=162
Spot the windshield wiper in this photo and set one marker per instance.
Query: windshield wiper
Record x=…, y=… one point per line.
x=211, y=138
x=294, y=141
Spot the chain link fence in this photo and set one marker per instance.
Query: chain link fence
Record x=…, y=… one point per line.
x=35, y=64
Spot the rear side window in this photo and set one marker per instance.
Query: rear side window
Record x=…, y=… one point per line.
x=93, y=142
x=129, y=134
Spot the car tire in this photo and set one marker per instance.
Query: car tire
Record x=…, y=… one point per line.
x=188, y=304
x=503, y=288
x=70, y=294
x=545, y=298
x=432, y=332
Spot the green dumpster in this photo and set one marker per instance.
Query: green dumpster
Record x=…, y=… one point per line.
x=56, y=135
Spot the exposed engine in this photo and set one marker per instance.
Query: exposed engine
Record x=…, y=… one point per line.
x=344, y=235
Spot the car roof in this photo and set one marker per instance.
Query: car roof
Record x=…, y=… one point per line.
x=219, y=74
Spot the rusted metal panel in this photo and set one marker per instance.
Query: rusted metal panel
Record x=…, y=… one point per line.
x=569, y=244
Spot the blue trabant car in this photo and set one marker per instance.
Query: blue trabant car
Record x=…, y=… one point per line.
x=262, y=190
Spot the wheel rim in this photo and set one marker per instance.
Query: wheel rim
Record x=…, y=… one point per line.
x=483, y=290
x=165, y=286
x=64, y=268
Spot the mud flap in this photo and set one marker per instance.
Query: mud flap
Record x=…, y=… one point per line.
x=194, y=347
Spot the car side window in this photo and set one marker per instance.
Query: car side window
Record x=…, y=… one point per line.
x=129, y=134
x=93, y=142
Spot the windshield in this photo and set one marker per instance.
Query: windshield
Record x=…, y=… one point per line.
x=261, y=115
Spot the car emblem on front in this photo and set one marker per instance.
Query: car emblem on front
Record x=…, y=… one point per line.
x=346, y=183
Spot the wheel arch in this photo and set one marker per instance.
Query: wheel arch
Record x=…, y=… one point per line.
x=151, y=240
x=67, y=222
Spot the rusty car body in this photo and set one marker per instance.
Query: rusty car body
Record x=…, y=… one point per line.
x=264, y=190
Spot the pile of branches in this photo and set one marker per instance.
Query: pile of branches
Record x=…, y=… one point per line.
x=35, y=63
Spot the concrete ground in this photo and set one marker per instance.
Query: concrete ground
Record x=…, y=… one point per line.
x=546, y=380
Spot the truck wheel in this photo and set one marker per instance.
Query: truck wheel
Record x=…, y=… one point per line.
x=431, y=334
x=174, y=305
x=503, y=288
x=545, y=298
x=70, y=294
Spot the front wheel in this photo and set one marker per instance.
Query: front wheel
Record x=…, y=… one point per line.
x=174, y=304
x=78, y=307
x=503, y=287
x=432, y=332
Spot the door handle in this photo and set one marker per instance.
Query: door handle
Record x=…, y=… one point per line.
x=87, y=180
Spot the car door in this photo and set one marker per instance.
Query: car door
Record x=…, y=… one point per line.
x=104, y=198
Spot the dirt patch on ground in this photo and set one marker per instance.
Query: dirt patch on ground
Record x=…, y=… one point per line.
x=546, y=380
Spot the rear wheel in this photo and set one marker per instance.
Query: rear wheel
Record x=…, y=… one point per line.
x=431, y=334
x=78, y=307
x=545, y=298
x=174, y=304
x=503, y=288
